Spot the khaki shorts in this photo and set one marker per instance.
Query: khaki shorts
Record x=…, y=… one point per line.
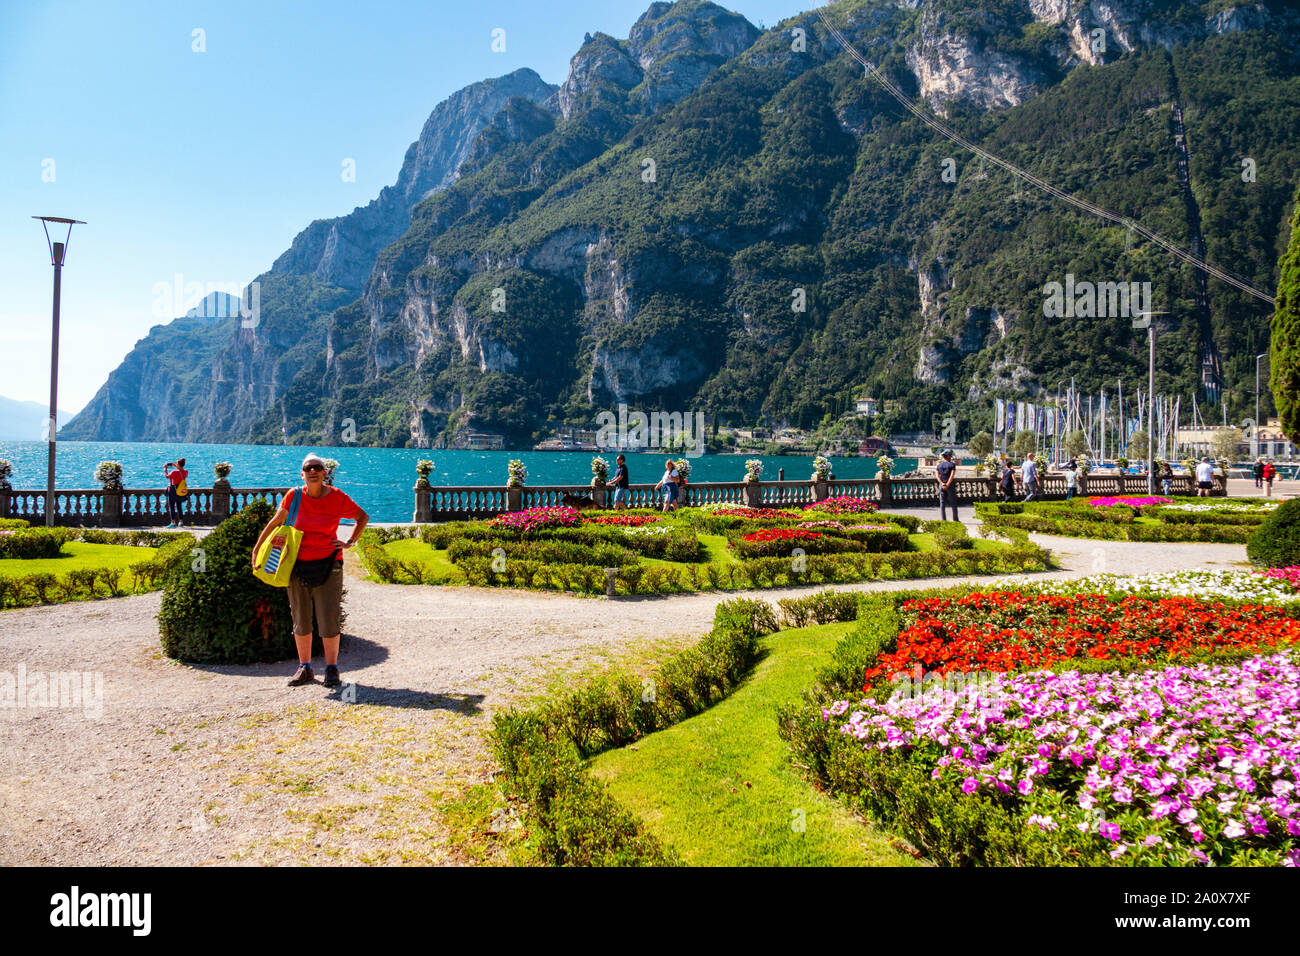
x=326, y=600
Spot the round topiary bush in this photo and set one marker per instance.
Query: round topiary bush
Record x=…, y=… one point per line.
x=1276, y=542
x=215, y=612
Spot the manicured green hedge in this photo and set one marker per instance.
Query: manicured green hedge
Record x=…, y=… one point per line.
x=222, y=614
x=1085, y=526
x=573, y=820
x=749, y=573
x=31, y=543
x=1276, y=543
x=81, y=584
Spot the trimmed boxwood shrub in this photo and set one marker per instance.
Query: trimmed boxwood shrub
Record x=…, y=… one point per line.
x=1276, y=542
x=30, y=543
x=224, y=615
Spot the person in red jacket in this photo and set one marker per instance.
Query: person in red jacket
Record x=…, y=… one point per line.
x=1269, y=474
x=317, y=582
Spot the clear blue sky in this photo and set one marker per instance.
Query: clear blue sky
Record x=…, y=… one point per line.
x=207, y=164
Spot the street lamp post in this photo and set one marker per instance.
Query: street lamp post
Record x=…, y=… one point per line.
x=1144, y=322
x=1254, y=432
x=58, y=251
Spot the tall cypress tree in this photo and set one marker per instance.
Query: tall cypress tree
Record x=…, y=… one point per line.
x=1284, y=350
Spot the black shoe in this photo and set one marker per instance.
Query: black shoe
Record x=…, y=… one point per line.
x=332, y=676
x=304, y=676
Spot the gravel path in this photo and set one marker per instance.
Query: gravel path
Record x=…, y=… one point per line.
x=201, y=765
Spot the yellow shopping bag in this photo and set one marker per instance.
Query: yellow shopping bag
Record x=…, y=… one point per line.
x=278, y=552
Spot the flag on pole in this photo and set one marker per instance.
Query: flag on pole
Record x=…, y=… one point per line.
x=1001, y=417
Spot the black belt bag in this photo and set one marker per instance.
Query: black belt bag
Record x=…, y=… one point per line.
x=315, y=573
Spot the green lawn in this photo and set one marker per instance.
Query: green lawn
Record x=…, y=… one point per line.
x=413, y=549
x=77, y=556
x=719, y=787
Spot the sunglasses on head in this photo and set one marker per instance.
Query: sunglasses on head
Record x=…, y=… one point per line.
x=313, y=467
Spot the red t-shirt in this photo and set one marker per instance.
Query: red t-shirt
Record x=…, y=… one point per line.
x=177, y=475
x=318, y=520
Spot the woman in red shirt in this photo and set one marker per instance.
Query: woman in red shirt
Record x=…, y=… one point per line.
x=174, y=474
x=317, y=582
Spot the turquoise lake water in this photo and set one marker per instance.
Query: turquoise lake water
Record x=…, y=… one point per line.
x=380, y=479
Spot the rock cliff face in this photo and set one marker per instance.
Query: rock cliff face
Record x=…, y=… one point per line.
x=706, y=216
x=234, y=374
x=342, y=251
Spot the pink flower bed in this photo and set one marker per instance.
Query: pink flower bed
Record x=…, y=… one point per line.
x=1142, y=502
x=1290, y=575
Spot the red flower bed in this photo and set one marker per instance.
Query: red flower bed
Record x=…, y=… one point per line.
x=760, y=514
x=1007, y=630
x=782, y=534
x=625, y=521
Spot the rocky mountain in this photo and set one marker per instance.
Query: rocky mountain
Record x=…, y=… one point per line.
x=706, y=216
x=230, y=373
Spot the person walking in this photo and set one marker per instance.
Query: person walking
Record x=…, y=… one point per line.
x=946, y=474
x=622, y=493
x=317, y=581
x=177, y=489
x=1259, y=472
x=1268, y=474
x=668, y=484
x=1007, y=486
x=1167, y=479
x=1029, y=475
x=1071, y=479
x=1204, y=478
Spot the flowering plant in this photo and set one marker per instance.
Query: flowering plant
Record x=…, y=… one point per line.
x=1009, y=630
x=843, y=505
x=819, y=524
x=1140, y=502
x=759, y=514
x=821, y=468
x=6, y=469
x=109, y=474
x=221, y=469
x=753, y=469
x=1290, y=575
x=1181, y=765
x=782, y=534
x=331, y=466
x=884, y=465
x=625, y=521
x=683, y=468
x=645, y=532
x=1085, y=465
x=1202, y=583
x=518, y=473
x=423, y=469
x=1241, y=506
x=538, y=519
x=600, y=468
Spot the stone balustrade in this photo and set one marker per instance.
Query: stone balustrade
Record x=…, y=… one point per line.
x=131, y=507
x=135, y=508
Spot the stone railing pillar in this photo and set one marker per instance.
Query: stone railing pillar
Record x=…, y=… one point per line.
x=884, y=490
x=4, y=501
x=220, y=500
x=110, y=511
x=514, y=498
x=820, y=490
x=423, y=505
x=598, y=492
x=754, y=494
